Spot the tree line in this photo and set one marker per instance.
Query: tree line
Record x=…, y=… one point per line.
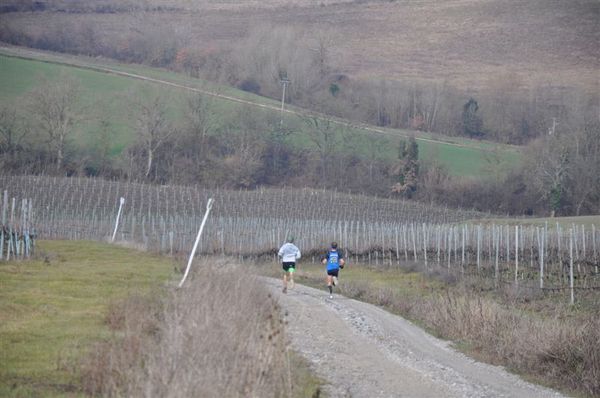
x=249, y=149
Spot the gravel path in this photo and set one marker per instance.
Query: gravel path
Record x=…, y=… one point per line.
x=364, y=351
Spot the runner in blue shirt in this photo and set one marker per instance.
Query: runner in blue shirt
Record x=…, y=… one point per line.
x=334, y=261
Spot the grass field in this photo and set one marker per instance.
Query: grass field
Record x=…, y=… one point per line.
x=409, y=283
x=53, y=308
x=75, y=294
x=108, y=97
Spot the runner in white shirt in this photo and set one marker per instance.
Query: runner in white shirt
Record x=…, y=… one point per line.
x=289, y=253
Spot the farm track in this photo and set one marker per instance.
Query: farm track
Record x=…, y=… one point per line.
x=43, y=57
x=364, y=351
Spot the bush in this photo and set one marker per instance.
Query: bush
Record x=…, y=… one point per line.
x=249, y=85
x=221, y=335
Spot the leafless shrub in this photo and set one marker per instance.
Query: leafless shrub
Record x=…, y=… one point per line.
x=444, y=276
x=136, y=312
x=562, y=353
x=412, y=266
x=572, y=355
x=109, y=366
x=356, y=290
x=221, y=335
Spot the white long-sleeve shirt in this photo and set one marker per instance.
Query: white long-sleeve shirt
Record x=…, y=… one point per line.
x=289, y=253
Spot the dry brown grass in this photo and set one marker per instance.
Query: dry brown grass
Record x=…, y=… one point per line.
x=221, y=335
x=468, y=43
x=560, y=351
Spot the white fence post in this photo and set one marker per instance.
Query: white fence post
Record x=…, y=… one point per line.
x=121, y=203
x=516, y=253
x=187, y=269
x=571, y=266
x=541, y=255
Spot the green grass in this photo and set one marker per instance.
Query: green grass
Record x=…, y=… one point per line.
x=304, y=382
x=108, y=97
x=399, y=279
x=52, y=309
x=103, y=97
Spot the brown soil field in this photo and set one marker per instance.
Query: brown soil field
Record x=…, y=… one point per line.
x=470, y=44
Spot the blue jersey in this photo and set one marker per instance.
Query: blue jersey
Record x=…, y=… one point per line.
x=333, y=260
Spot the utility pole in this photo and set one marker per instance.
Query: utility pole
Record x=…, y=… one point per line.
x=284, y=81
x=553, y=128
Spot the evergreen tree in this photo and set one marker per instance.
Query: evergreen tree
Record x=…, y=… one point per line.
x=471, y=122
x=406, y=171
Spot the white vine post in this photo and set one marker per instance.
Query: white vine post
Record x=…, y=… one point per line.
x=187, y=269
x=516, y=254
x=121, y=203
x=4, y=210
x=571, y=266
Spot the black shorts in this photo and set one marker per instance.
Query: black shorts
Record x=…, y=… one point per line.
x=289, y=266
x=333, y=272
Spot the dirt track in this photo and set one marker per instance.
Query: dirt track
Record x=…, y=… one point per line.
x=364, y=351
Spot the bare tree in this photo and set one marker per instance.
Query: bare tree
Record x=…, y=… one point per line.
x=584, y=179
x=323, y=44
x=152, y=129
x=53, y=103
x=326, y=138
x=12, y=132
x=271, y=52
x=550, y=165
x=375, y=146
x=200, y=120
x=243, y=148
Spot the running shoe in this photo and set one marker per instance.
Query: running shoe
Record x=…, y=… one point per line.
x=331, y=296
x=284, y=290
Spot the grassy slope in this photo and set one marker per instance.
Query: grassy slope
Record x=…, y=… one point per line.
x=466, y=43
x=103, y=97
x=50, y=312
x=107, y=97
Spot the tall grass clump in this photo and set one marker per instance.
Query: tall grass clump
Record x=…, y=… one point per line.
x=221, y=335
x=562, y=351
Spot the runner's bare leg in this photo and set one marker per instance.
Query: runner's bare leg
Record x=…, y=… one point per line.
x=329, y=283
x=291, y=279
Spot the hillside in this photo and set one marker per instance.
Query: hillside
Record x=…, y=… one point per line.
x=468, y=43
x=107, y=97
